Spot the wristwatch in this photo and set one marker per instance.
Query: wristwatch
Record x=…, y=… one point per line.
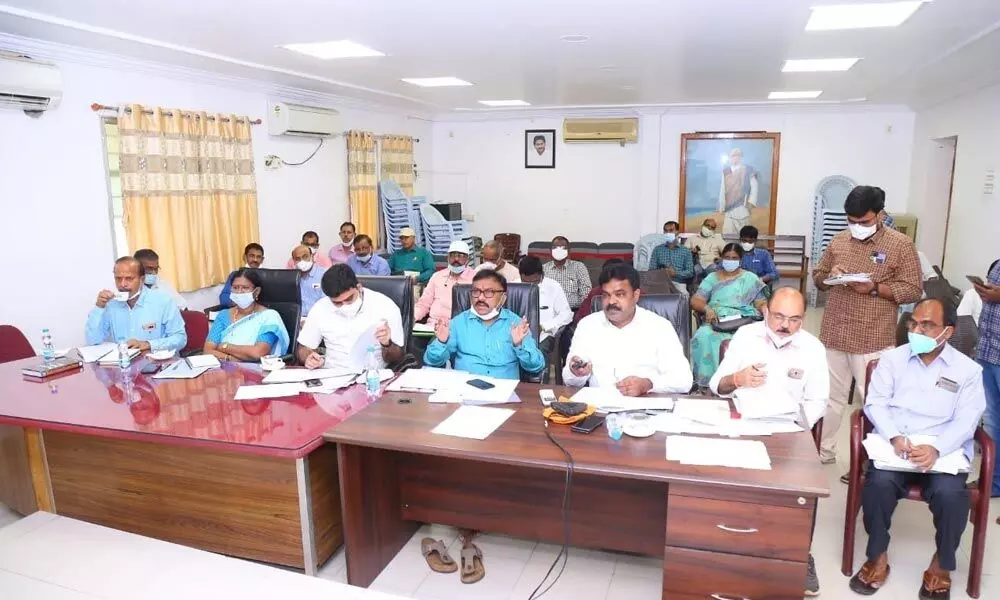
x=874, y=292
x=224, y=348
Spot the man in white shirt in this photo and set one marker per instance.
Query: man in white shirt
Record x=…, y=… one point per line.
x=625, y=345
x=553, y=308
x=492, y=254
x=349, y=320
x=151, y=265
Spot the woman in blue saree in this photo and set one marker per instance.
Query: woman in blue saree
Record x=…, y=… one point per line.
x=247, y=331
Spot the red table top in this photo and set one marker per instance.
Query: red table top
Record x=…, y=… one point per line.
x=188, y=412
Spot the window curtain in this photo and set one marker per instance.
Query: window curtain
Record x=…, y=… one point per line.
x=361, y=184
x=397, y=161
x=188, y=191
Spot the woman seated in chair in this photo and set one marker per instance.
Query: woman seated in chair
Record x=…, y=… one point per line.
x=247, y=331
x=725, y=294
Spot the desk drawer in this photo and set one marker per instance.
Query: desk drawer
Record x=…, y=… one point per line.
x=697, y=575
x=739, y=527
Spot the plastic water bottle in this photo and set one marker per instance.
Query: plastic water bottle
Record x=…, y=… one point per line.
x=373, y=375
x=123, y=359
x=48, y=352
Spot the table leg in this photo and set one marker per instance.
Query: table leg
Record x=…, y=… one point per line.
x=306, y=515
x=39, y=464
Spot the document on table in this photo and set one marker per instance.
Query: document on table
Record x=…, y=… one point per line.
x=111, y=358
x=276, y=390
x=428, y=380
x=609, y=399
x=383, y=375
x=91, y=354
x=709, y=412
x=180, y=370
x=885, y=457
x=299, y=375
x=848, y=278
x=473, y=422
x=674, y=423
x=740, y=454
x=204, y=360
x=770, y=400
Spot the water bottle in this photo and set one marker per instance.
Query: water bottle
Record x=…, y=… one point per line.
x=373, y=374
x=123, y=359
x=48, y=352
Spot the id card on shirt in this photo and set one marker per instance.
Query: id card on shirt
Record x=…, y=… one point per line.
x=149, y=327
x=947, y=385
x=878, y=257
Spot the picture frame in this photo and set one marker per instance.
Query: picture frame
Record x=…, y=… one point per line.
x=540, y=149
x=731, y=177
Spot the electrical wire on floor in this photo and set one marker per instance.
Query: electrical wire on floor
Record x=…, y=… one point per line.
x=308, y=158
x=566, y=504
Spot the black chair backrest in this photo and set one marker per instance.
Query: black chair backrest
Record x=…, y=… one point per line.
x=400, y=290
x=673, y=307
x=279, y=290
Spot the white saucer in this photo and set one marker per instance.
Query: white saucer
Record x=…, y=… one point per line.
x=632, y=430
x=161, y=355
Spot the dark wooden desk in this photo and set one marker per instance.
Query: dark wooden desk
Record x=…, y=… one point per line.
x=731, y=532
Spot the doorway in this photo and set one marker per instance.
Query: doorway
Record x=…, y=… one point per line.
x=937, y=210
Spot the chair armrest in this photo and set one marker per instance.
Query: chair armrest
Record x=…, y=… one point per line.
x=988, y=463
x=858, y=454
x=212, y=309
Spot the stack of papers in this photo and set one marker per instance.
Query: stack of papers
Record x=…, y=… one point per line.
x=180, y=370
x=428, y=380
x=277, y=390
x=769, y=401
x=111, y=358
x=848, y=278
x=708, y=412
x=673, y=423
x=91, y=354
x=459, y=391
x=473, y=422
x=207, y=361
x=740, y=454
x=609, y=399
x=881, y=452
x=300, y=375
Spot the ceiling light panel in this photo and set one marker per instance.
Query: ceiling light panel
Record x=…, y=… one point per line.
x=337, y=49
x=814, y=65
x=861, y=16
x=803, y=95
x=498, y=103
x=436, y=81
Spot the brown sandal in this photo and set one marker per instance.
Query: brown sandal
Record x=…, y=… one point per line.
x=472, y=564
x=437, y=556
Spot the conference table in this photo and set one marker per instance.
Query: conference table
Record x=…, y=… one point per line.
x=723, y=533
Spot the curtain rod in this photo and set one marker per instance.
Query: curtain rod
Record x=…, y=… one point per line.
x=383, y=136
x=99, y=107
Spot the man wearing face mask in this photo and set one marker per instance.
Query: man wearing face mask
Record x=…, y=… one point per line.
x=487, y=339
x=924, y=388
x=435, y=302
x=310, y=239
x=859, y=321
x=671, y=256
x=494, y=261
x=341, y=319
x=342, y=251
x=253, y=258
x=572, y=275
x=151, y=266
x=311, y=282
x=757, y=260
x=708, y=246
x=364, y=261
x=146, y=319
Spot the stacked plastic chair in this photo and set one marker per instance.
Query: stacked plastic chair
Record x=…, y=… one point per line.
x=438, y=232
x=399, y=211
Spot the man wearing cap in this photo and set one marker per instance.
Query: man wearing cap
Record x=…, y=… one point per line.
x=411, y=257
x=436, y=299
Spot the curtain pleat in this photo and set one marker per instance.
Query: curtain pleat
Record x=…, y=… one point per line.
x=361, y=183
x=397, y=161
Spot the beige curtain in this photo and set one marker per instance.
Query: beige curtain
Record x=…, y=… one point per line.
x=361, y=184
x=397, y=161
x=188, y=191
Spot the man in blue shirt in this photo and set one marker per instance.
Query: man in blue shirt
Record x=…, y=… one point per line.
x=923, y=388
x=364, y=261
x=145, y=318
x=988, y=355
x=676, y=259
x=487, y=339
x=253, y=257
x=757, y=260
x=311, y=284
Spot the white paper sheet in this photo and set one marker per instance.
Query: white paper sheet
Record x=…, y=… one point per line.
x=204, y=360
x=767, y=401
x=359, y=353
x=882, y=453
x=383, y=375
x=277, y=390
x=609, y=399
x=473, y=422
x=709, y=412
x=848, y=278
x=299, y=375
x=673, y=423
x=111, y=358
x=428, y=380
x=90, y=354
x=740, y=454
x=179, y=370
x=501, y=392
x=332, y=384
x=423, y=328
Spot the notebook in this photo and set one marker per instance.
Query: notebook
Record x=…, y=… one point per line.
x=44, y=369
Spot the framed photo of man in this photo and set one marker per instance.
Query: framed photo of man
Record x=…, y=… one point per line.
x=730, y=177
x=540, y=149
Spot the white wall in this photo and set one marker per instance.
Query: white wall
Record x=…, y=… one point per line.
x=604, y=192
x=973, y=242
x=55, y=235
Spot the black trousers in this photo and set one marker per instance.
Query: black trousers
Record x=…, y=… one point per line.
x=946, y=495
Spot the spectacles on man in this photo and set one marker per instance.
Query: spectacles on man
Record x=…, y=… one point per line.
x=926, y=326
x=793, y=320
x=489, y=294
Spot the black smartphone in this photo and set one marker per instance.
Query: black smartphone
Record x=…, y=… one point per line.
x=588, y=425
x=150, y=369
x=311, y=383
x=480, y=384
x=976, y=279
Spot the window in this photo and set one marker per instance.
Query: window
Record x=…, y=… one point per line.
x=109, y=129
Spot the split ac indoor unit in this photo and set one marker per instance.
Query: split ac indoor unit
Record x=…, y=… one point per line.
x=622, y=131
x=285, y=118
x=28, y=84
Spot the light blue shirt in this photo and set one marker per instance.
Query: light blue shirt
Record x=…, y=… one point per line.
x=377, y=266
x=486, y=349
x=907, y=397
x=154, y=319
x=312, y=288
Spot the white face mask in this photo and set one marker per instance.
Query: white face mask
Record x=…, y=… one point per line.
x=706, y=232
x=488, y=265
x=348, y=243
x=560, y=253
x=351, y=310
x=747, y=246
x=304, y=265
x=860, y=232
x=242, y=299
x=778, y=340
x=488, y=316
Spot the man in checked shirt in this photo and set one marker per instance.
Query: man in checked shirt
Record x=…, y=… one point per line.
x=859, y=320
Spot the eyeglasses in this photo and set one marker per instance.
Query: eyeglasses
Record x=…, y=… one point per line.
x=475, y=293
x=912, y=324
x=796, y=320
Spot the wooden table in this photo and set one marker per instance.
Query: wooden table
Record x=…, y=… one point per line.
x=735, y=533
x=177, y=460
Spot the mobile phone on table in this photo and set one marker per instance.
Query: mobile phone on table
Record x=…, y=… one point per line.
x=588, y=425
x=150, y=369
x=976, y=279
x=311, y=383
x=479, y=384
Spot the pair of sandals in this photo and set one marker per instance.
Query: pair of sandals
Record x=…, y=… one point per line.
x=440, y=561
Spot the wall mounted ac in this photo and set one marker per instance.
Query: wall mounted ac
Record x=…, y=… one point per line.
x=622, y=131
x=27, y=84
x=285, y=118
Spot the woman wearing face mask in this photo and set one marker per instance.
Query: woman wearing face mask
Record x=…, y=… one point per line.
x=247, y=331
x=726, y=293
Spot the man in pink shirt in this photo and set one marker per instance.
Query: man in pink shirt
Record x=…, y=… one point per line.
x=345, y=249
x=436, y=299
x=310, y=239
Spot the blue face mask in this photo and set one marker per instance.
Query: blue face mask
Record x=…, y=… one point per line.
x=456, y=269
x=671, y=237
x=729, y=265
x=922, y=344
x=151, y=279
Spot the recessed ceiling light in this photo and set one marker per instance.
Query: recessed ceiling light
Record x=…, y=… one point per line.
x=818, y=64
x=628, y=87
x=607, y=68
x=859, y=16
x=793, y=95
x=338, y=49
x=436, y=81
x=504, y=103
x=575, y=38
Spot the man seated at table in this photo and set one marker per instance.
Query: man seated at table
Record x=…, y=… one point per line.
x=486, y=339
x=757, y=260
x=625, y=345
x=435, y=302
x=553, y=309
x=927, y=388
x=348, y=320
x=151, y=267
x=571, y=274
x=778, y=351
x=145, y=318
x=364, y=261
x=493, y=260
x=411, y=257
x=672, y=256
x=310, y=285
x=253, y=258
x=310, y=239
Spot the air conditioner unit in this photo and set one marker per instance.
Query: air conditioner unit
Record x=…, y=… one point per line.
x=622, y=131
x=285, y=118
x=30, y=85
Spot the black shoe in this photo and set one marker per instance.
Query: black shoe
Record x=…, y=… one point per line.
x=812, y=581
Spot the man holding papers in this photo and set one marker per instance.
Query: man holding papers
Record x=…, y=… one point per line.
x=625, y=345
x=925, y=388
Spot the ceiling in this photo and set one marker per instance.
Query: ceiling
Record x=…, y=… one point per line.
x=640, y=52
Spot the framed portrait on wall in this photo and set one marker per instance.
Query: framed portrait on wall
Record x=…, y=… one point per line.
x=731, y=177
x=540, y=149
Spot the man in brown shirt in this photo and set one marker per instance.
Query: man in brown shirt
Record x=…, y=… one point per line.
x=859, y=320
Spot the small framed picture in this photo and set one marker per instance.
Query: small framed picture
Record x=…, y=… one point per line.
x=540, y=149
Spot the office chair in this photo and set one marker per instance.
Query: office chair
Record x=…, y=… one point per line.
x=399, y=289
x=196, y=327
x=13, y=344
x=280, y=291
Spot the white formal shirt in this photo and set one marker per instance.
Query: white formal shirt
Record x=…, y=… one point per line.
x=169, y=290
x=553, y=308
x=647, y=347
x=342, y=334
x=799, y=366
x=971, y=305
